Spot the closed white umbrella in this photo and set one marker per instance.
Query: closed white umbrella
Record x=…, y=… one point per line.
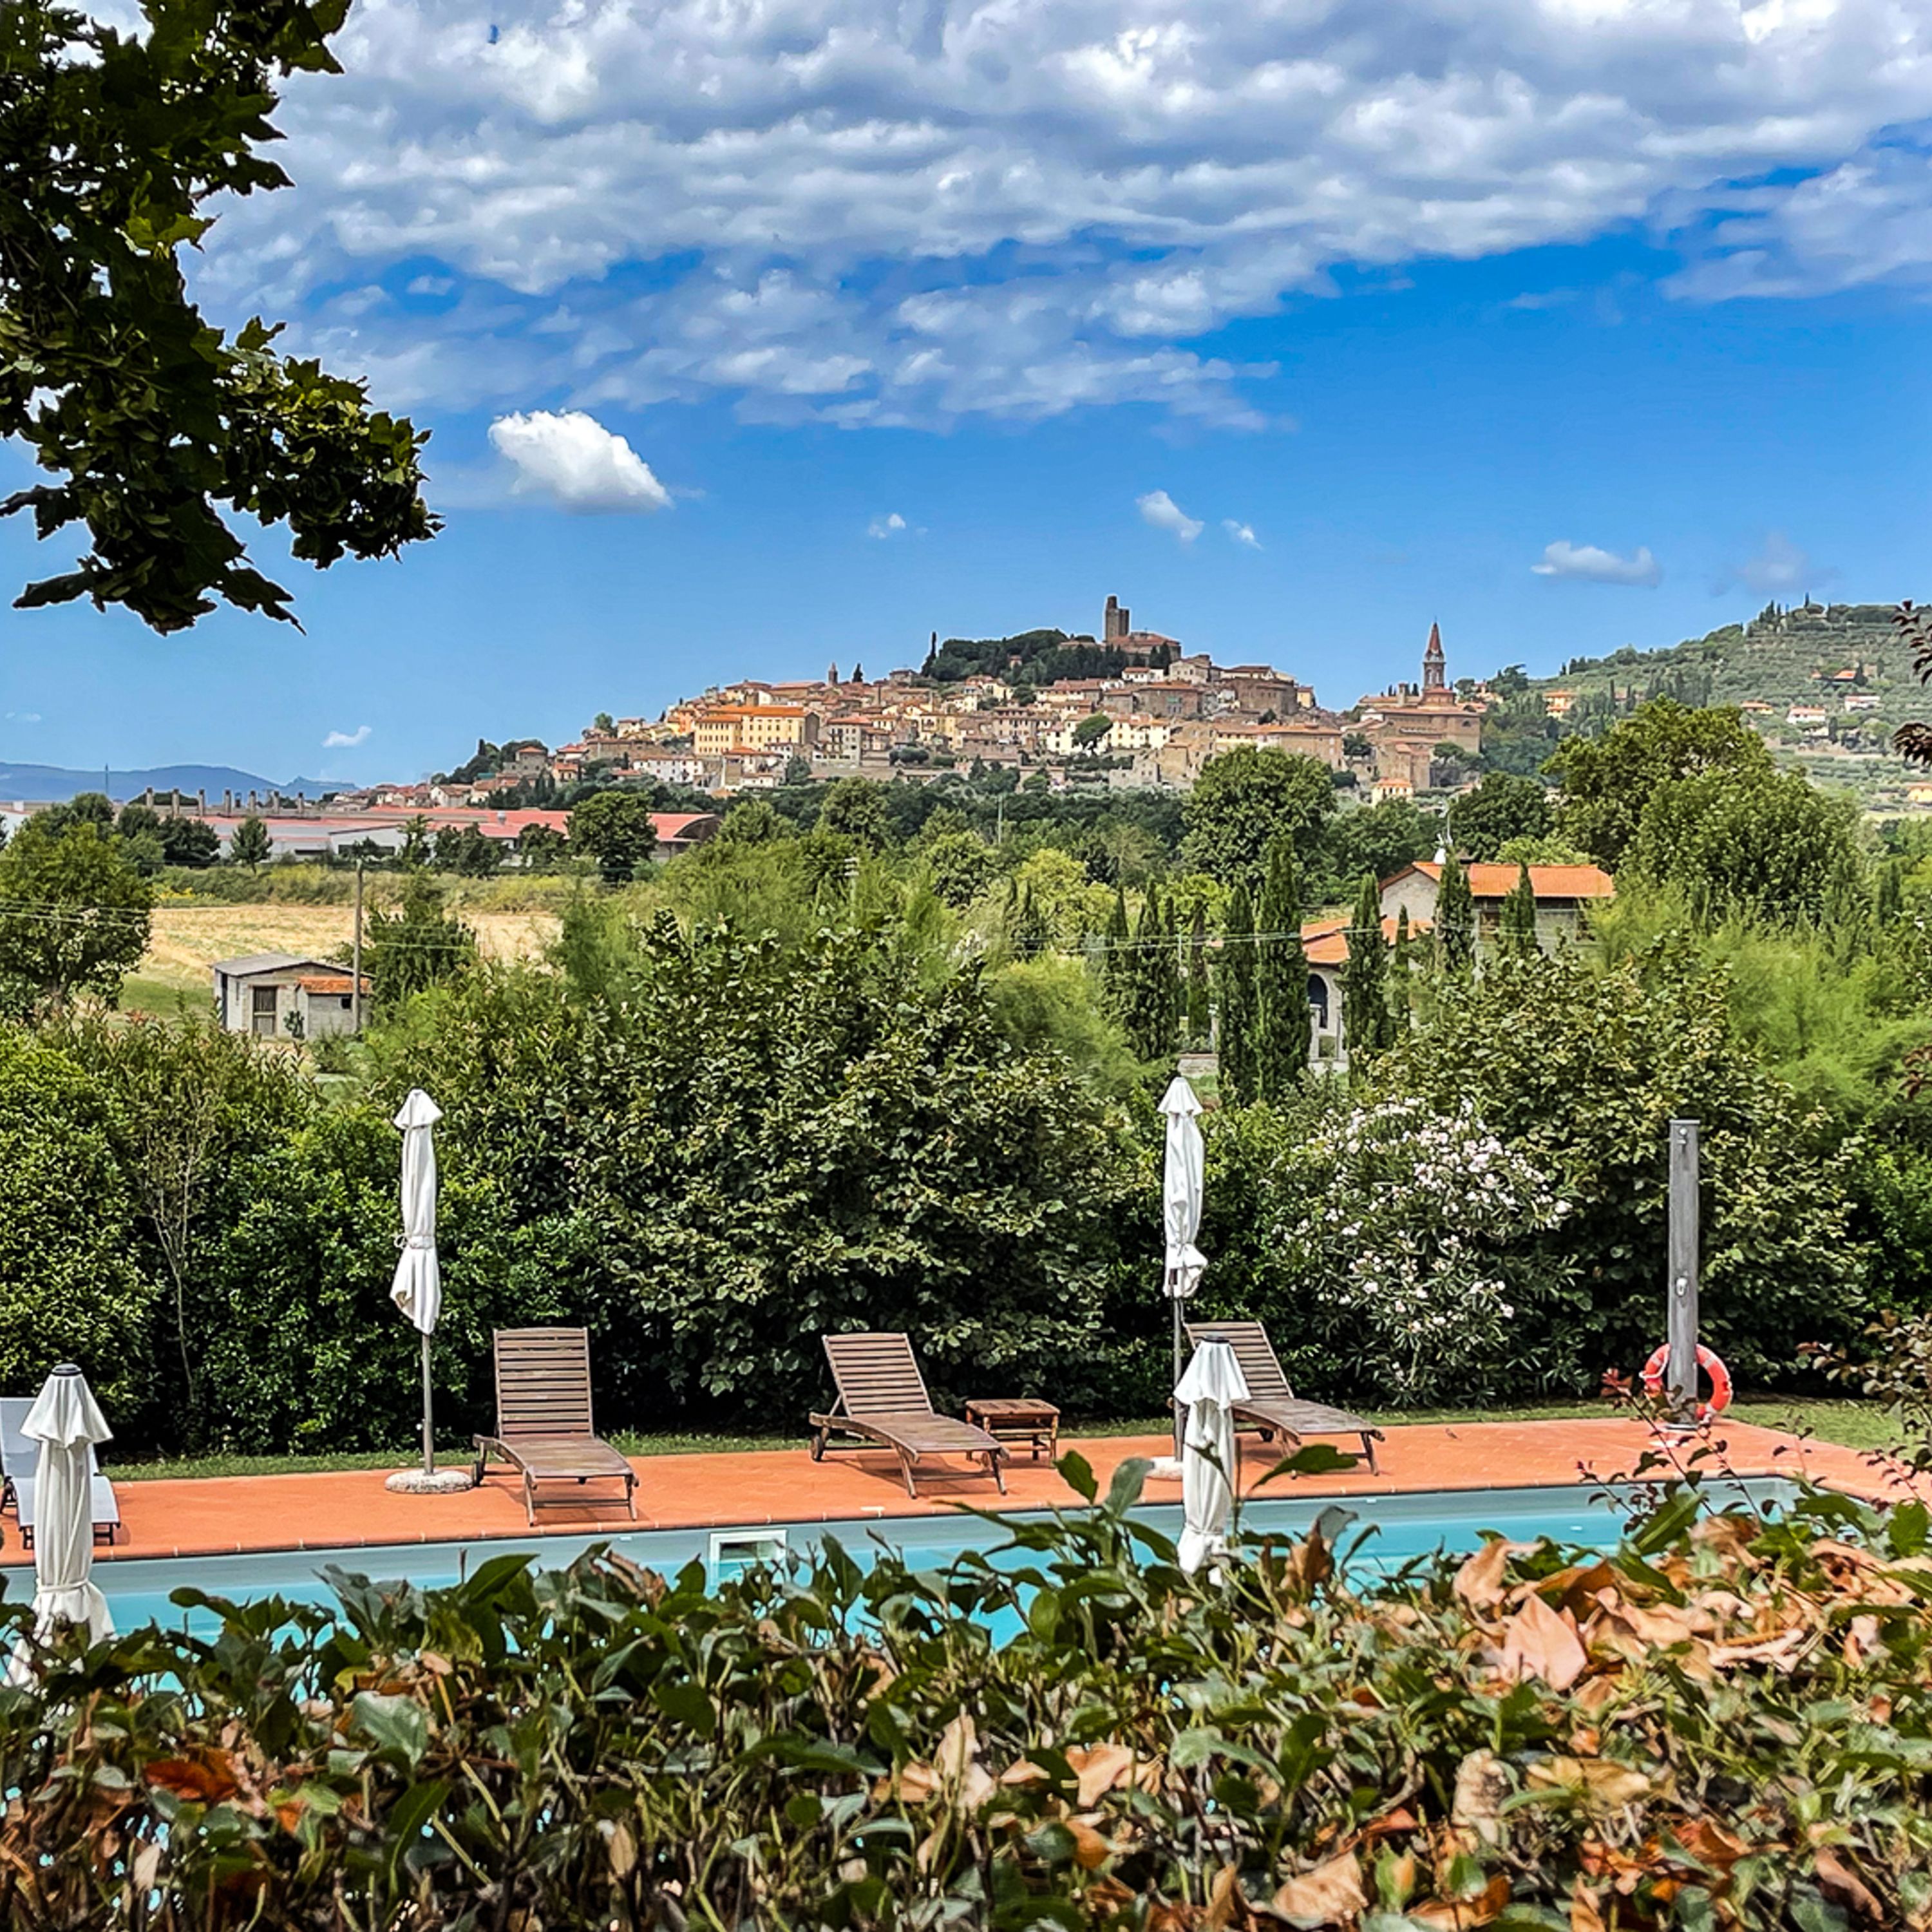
x=1212, y=1386
x=417, y=1288
x=67, y=1422
x=1180, y=1191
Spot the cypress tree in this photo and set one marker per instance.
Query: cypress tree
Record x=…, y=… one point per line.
x=1890, y=906
x=1117, y=960
x=1282, y=1027
x=1455, y=919
x=1235, y=978
x=1198, y=1022
x=1367, y=1024
x=1153, y=1000
x=1401, y=968
x=1173, y=987
x=1517, y=927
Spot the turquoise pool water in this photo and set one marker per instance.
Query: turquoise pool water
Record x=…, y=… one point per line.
x=1403, y=1528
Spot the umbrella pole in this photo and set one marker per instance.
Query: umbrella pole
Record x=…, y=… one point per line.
x=429, y=1439
x=1176, y=1299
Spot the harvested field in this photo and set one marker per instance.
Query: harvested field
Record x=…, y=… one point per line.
x=188, y=940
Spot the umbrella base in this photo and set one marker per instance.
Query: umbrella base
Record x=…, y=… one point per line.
x=431, y=1482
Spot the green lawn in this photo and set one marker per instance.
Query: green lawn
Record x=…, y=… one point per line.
x=1857, y=1425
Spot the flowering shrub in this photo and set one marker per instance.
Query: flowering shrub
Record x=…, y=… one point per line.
x=1416, y=1231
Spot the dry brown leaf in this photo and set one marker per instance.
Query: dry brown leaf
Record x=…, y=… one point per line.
x=1593, y=1695
x=1225, y=1904
x=1330, y=1894
x=1023, y=1771
x=1710, y=1844
x=1091, y=1850
x=1539, y=1642
x=1482, y=1784
x=1480, y=1581
x=1844, y=1885
x=622, y=1849
x=1584, y=1916
x=1099, y=1769
x=1454, y=1915
x=1780, y=1651
x=1601, y=1783
x=1861, y=1640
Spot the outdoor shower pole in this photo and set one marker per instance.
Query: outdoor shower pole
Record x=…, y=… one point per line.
x=1180, y=1414
x=1680, y=1380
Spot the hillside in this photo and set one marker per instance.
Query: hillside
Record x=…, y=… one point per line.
x=44, y=783
x=1814, y=656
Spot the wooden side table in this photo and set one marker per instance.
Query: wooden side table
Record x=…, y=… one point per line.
x=1018, y=1419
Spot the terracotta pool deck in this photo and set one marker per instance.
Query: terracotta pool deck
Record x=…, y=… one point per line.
x=226, y=1515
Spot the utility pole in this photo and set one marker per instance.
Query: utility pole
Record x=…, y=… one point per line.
x=1680, y=1379
x=356, y=970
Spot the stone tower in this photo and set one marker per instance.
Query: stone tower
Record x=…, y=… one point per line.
x=831, y=673
x=1116, y=621
x=1434, y=670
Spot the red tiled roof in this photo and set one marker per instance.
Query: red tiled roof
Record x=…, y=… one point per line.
x=1547, y=882
x=1325, y=941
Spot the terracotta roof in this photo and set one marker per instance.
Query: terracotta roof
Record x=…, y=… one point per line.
x=1547, y=882
x=1325, y=941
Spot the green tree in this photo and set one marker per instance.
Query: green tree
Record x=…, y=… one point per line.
x=542, y=848
x=1455, y=921
x=615, y=828
x=1503, y=807
x=191, y=843
x=85, y=807
x=1402, y=977
x=468, y=851
x=139, y=829
x=1284, y=1026
x=1242, y=800
x=1759, y=844
x=754, y=821
x=1368, y=1025
x=74, y=913
x=249, y=844
x=1117, y=960
x=1888, y=894
x=1236, y=1035
x=1608, y=782
x=855, y=808
x=604, y=723
x=71, y=1285
x=113, y=146
x=1378, y=839
x=1515, y=926
x=1090, y=731
x=1152, y=1014
x=961, y=864
x=417, y=946
x=1199, y=1020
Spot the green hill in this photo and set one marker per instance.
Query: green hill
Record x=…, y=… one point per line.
x=1815, y=656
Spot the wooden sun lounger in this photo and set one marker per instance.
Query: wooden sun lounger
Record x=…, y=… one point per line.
x=882, y=1399
x=544, y=1429
x=19, y=1468
x=1271, y=1406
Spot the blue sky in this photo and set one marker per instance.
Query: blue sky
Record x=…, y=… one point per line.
x=1295, y=325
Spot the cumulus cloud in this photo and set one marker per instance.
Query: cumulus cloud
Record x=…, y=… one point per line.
x=1588, y=564
x=857, y=212
x=1243, y=534
x=574, y=459
x=1159, y=509
x=1778, y=569
x=343, y=741
x=889, y=525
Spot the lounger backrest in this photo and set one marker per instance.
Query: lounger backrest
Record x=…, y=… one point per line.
x=876, y=1376
x=543, y=1382
x=1253, y=1349
x=18, y=1456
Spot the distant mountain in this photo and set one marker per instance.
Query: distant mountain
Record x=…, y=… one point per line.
x=47, y=784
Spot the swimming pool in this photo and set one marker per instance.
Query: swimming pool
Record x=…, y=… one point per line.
x=1400, y=1529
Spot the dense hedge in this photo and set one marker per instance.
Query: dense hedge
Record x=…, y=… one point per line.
x=1724, y=1722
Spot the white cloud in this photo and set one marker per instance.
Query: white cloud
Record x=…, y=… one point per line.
x=574, y=459
x=1159, y=509
x=888, y=526
x=341, y=741
x=1243, y=534
x=1779, y=568
x=1589, y=565
x=866, y=211
x=23, y=717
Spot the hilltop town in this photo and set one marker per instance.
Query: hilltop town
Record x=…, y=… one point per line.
x=1126, y=708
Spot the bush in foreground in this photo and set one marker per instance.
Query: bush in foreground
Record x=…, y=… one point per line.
x=1724, y=1723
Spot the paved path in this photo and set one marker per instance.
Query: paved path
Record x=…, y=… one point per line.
x=351, y=1509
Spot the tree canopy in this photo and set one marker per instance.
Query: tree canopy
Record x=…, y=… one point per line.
x=74, y=913
x=154, y=426
x=1242, y=800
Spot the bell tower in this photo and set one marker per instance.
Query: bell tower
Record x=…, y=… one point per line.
x=1434, y=668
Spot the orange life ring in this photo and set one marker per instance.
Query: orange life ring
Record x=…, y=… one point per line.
x=1710, y=1362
